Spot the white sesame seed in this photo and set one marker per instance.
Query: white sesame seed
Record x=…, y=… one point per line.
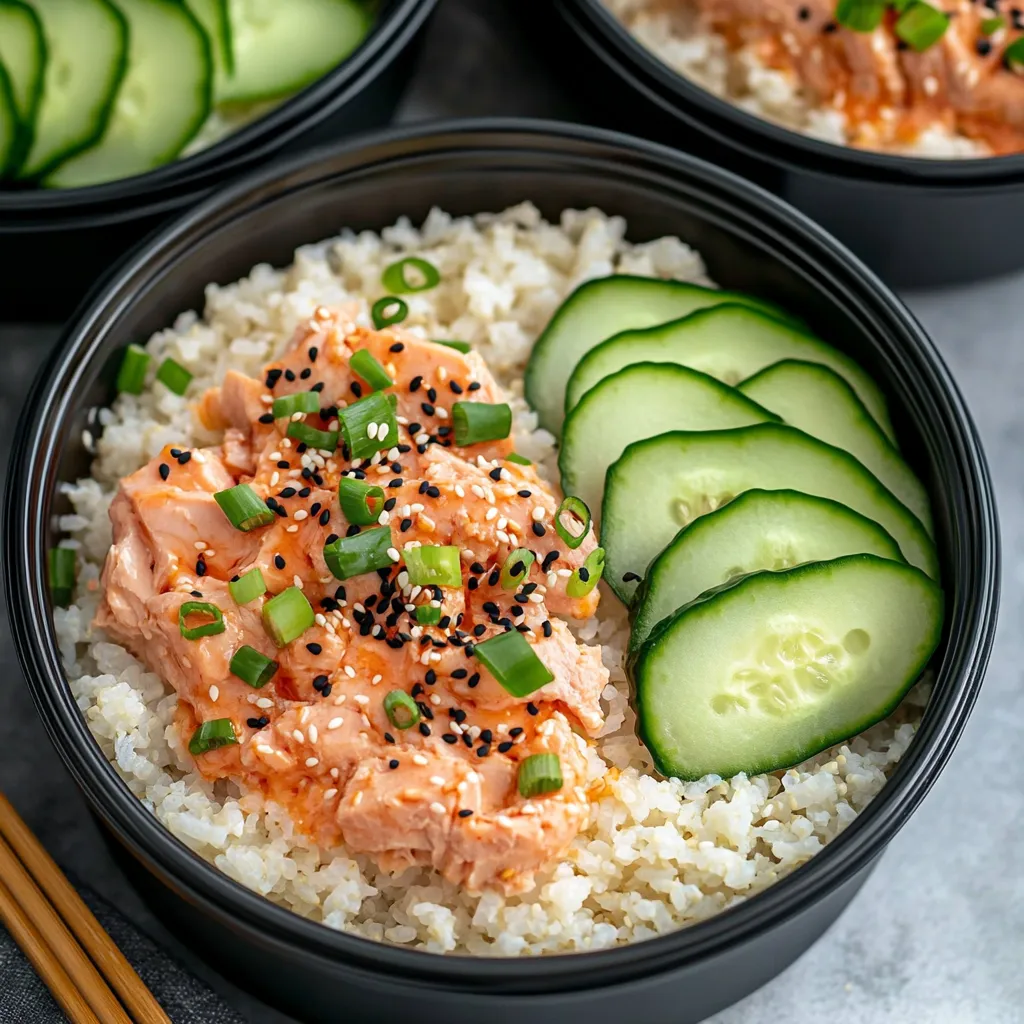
x=384, y=518
x=335, y=723
x=394, y=555
x=291, y=529
x=434, y=657
x=275, y=455
x=296, y=416
x=382, y=431
x=502, y=536
x=416, y=507
x=502, y=523
x=441, y=413
x=335, y=773
x=436, y=780
x=377, y=630
x=376, y=679
x=319, y=619
x=434, y=699
x=361, y=698
x=312, y=762
x=350, y=672
x=267, y=399
x=437, y=808
x=297, y=736
x=199, y=545
x=504, y=820
x=419, y=759
x=477, y=490
x=214, y=693
x=275, y=478
x=340, y=699
x=297, y=580
x=564, y=573
x=330, y=793
x=536, y=598
x=300, y=515
x=552, y=579
x=371, y=430
x=264, y=702
x=538, y=513
x=313, y=734
x=491, y=513
x=393, y=454
x=459, y=491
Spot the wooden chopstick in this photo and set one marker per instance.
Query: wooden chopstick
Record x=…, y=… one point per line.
x=61, y=943
x=44, y=960
x=141, y=1003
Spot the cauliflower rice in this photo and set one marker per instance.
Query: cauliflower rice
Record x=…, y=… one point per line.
x=677, y=38
x=658, y=853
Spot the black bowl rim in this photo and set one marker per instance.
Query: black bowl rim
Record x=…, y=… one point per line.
x=36, y=448
x=741, y=129
x=160, y=189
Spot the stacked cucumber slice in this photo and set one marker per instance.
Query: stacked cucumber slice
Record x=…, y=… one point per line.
x=96, y=90
x=772, y=546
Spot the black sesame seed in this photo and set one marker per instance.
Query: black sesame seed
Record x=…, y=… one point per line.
x=356, y=388
x=425, y=710
x=450, y=737
x=330, y=411
x=352, y=530
x=495, y=474
x=390, y=504
x=829, y=27
x=466, y=812
x=267, y=417
x=494, y=577
x=584, y=574
x=389, y=738
x=532, y=708
x=483, y=751
x=319, y=682
x=314, y=508
x=253, y=723
x=432, y=394
x=522, y=629
x=545, y=627
x=475, y=386
x=504, y=748
x=273, y=376
x=279, y=561
x=630, y=577
x=804, y=14
x=331, y=538
x=325, y=517
x=397, y=482
x=519, y=599
x=288, y=492
x=524, y=493
x=289, y=375
x=486, y=736
x=200, y=567
x=393, y=763
x=175, y=452
x=396, y=467
x=184, y=457
x=983, y=47
x=473, y=680
x=304, y=493
x=469, y=650
x=404, y=525
x=433, y=492
x=414, y=384
x=517, y=731
x=397, y=347
x=283, y=464
x=456, y=387
x=472, y=583
x=165, y=471
x=424, y=729
x=404, y=448
x=428, y=409
x=306, y=373
x=467, y=740
x=515, y=611
x=326, y=691
x=538, y=529
x=422, y=449
x=431, y=677
x=199, y=593
x=314, y=648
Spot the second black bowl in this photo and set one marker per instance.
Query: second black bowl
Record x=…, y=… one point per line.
x=917, y=222
x=751, y=242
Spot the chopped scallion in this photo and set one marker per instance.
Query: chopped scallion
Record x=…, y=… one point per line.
x=1013, y=58
x=513, y=663
x=921, y=26
x=396, y=277
x=174, y=376
x=61, y=564
x=244, y=507
x=428, y=615
x=480, y=421
x=132, y=375
x=587, y=576
x=324, y=440
x=990, y=26
x=248, y=587
x=359, y=554
x=401, y=709
x=298, y=401
x=519, y=460
x=214, y=626
x=286, y=616
x=388, y=311
x=516, y=568
x=361, y=503
x=433, y=565
x=578, y=514
x=369, y=425
x=364, y=365
x=219, y=732
x=539, y=774
x=459, y=346
x=860, y=15
x=252, y=667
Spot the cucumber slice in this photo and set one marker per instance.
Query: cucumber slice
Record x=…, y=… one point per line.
x=213, y=16
x=23, y=56
x=729, y=342
x=813, y=399
x=598, y=309
x=637, y=402
x=8, y=120
x=664, y=483
x=282, y=47
x=768, y=672
x=162, y=102
x=86, y=48
x=758, y=530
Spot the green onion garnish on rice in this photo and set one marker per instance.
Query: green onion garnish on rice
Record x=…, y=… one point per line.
x=132, y=376
x=174, y=376
x=515, y=568
x=587, y=576
x=577, y=512
x=286, y=616
x=298, y=401
x=459, y=346
x=860, y=15
x=61, y=565
x=247, y=587
x=219, y=732
x=359, y=554
x=921, y=26
x=513, y=663
x=364, y=365
x=397, y=281
x=323, y=440
x=434, y=565
x=428, y=615
x=369, y=425
x=401, y=709
x=481, y=421
x=252, y=667
x=212, y=627
x=519, y=460
x=244, y=507
x=539, y=774
x=361, y=503
x=388, y=311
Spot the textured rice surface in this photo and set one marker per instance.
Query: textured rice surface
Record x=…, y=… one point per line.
x=676, y=37
x=658, y=853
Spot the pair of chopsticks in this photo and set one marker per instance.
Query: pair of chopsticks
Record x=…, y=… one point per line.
x=63, y=941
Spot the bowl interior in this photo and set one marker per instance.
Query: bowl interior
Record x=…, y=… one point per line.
x=749, y=240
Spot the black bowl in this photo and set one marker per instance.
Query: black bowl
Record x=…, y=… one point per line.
x=751, y=241
x=55, y=243
x=917, y=222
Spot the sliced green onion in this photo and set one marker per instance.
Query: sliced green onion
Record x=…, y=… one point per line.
x=921, y=26
x=513, y=662
x=248, y=587
x=298, y=401
x=519, y=460
x=459, y=346
x=174, y=376
x=428, y=615
x=587, y=576
x=1013, y=58
x=286, y=616
x=132, y=375
x=61, y=563
x=395, y=279
x=382, y=318
x=252, y=667
x=990, y=26
x=579, y=512
x=361, y=503
x=433, y=565
x=516, y=568
x=860, y=15
x=244, y=507
x=362, y=553
x=480, y=421
x=212, y=628
x=401, y=709
x=325, y=440
x=364, y=364
x=539, y=774
x=369, y=425
x=219, y=732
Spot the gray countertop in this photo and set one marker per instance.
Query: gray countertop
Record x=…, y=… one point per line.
x=935, y=936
